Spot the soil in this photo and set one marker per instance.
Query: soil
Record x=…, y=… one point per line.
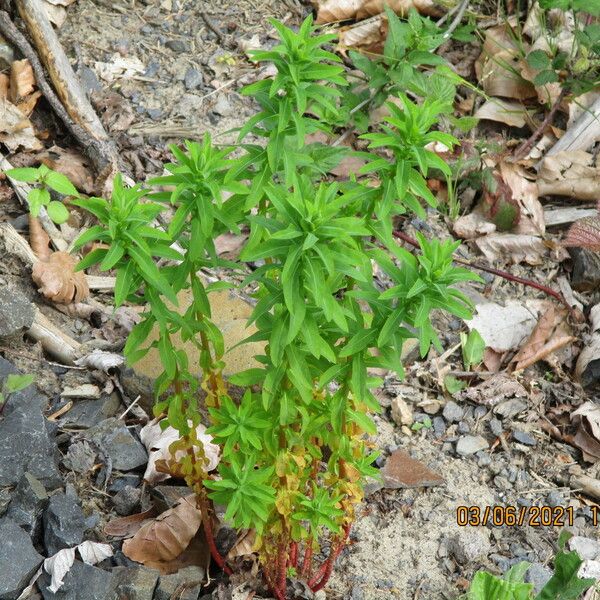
x=406, y=543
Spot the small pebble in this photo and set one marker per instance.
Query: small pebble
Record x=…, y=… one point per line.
x=496, y=426
x=524, y=438
x=177, y=46
x=453, y=412
x=193, y=79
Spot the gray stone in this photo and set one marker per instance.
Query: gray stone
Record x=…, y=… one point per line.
x=16, y=312
x=82, y=582
x=5, y=498
x=502, y=483
x=524, y=438
x=18, y=559
x=186, y=584
x=538, y=574
x=554, y=499
x=470, y=545
x=193, y=79
x=453, y=412
x=496, y=426
x=470, y=444
x=177, y=46
x=587, y=548
x=155, y=113
x=117, y=442
x=64, y=523
x=126, y=500
x=88, y=413
x=130, y=479
x=30, y=499
x=585, y=275
x=89, y=81
x=439, y=427
x=80, y=457
x=134, y=583
x=463, y=427
x=222, y=106
x=483, y=459
x=26, y=437
x=510, y=408
x=480, y=412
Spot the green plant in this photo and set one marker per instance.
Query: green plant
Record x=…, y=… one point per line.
x=294, y=451
x=577, y=68
x=563, y=585
x=473, y=347
x=13, y=383
x=39, y=197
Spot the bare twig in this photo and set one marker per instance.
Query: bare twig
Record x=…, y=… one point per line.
x=526, y=146
x=462, y=7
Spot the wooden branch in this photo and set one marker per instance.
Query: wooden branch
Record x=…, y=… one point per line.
x=56, y=343
x=79, y=116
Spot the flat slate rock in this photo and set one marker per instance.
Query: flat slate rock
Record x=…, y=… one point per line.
x=118, y=443
x=64, y=523
x=401, y=471
x=134, y=583
x=16, y=312
x=82, y=582
x=26, y=508
x=18, y=559
x=26, y=437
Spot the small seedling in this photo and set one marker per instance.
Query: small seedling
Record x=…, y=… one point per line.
x=13, y=383
x=473, y=347
x=563, y=585
x=39, y=197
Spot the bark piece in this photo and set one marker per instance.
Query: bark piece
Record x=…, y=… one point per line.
x=22, y=80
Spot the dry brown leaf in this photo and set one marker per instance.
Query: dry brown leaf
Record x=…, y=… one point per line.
x=22, y=80
x=229, y=245
x=244, y=545
x=587, y=438
x=125, y=527
x=584, y=233
x=494, y=390
x=39, y=240
x=549, y=335
x=525, y=193
x=571, y=173
x=512, y=247
x=167, y=536
x=27, y=105
x=331, y=11
x=368, y=35
x=497, y=67
x=473, y=225
x=72, y=164
x=58, y=281
x=16, y=130
x=588, y=361
x=509, y=112
x=349, y=165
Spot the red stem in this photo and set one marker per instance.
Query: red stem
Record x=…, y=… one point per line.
x=327, y=567
x=281, y=583
x=216, y=555
x=504, y=274
x=307, y=561
x=294, y=554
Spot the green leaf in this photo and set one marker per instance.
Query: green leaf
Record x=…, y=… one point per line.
x=454, y=385
x=473, y=347
x=58, y=212
x=486, y=586
x=37, y=198
x=60, y=183
x=16, y=383
x=538, y=60
x=565, y=584
x=26, y=174
x=151, y=274
x=544, y=77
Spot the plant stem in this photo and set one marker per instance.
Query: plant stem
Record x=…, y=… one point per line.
x=528, y=144
x=307, y=561
x=320, y=580
x=214, y=552
x=294, y=554
x=504, y=274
